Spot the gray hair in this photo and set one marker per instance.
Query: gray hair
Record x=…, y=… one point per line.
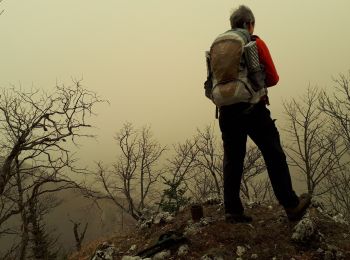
x=241, y=16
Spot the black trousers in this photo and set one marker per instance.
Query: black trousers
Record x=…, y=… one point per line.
x=236, y=123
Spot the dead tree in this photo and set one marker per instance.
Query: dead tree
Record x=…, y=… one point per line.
x=43, y=245
x=336, y=105
x=37, y=129
x=314, y=149
x=338, y=198
x=209, y=160
x=78, y=235
x=207, y=177
x=136, y=172
x=179, y=174
x=36, y=126
x=253, y=167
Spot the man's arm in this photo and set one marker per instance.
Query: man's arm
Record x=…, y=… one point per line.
x=266, y=59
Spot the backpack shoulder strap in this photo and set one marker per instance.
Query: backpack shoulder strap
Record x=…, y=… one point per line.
x=244, y=34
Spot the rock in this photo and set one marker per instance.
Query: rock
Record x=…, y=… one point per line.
x=254, y=256
x=194, y=228
x=146, y=223
x=270, y=207
x=339, y=218
x=104, y=252
x=240, y=250
x=164, y=255
x=169, y=219
x=304, y=230
x=191, y=230
x=211, y=257
x=206, y=221
x=157, y=219
x=133, y=248
x=127, y=257
x=161, y=217
x=320, y=250
x=149, y=217
x=183, y=250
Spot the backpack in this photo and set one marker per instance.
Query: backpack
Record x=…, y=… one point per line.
x=234, y=74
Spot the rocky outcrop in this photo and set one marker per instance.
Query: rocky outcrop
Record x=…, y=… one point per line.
x=319, y=235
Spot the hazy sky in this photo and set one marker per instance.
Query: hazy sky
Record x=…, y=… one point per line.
x=147, y=57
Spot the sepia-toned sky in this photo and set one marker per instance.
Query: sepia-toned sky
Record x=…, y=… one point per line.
x=147, y=57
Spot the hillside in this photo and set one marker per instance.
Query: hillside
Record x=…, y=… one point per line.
x=269, y=236
x=103, y=219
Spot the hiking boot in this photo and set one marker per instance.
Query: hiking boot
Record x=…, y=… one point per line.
x=238, y=218
x=297, y=213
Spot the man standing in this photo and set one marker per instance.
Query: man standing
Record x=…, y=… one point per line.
x=238, y=121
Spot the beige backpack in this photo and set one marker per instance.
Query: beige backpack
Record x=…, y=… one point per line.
x=227, y=70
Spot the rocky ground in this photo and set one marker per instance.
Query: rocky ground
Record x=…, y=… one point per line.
x=270, y=236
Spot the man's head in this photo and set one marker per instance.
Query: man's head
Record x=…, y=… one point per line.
x=242, y=18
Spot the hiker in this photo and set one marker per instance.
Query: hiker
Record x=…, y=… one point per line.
x=243, y=112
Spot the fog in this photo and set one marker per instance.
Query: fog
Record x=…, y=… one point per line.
x=147, y=57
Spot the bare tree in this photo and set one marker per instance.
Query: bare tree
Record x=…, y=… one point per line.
x=136, y=171
x=337, y=106
x=338, y=198
x=35, y=127
x=78, y=235
x=253, y=167
x=202, y=186
x=206, y=177
x=315, y=150
x=179, y=169
x=209, y=160
x=260, y=190
x=43, y=245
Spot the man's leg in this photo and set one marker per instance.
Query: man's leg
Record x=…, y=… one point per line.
x=234, y=141
x=264, y=133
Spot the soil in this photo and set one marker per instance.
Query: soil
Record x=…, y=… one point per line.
x=268, y=236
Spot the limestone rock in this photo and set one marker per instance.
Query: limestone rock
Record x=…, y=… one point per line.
x=240, y=250
x=104, y=251
x=339, y=218
x=210, y=257
x=194, y=228
x=304, y=230
x=164, y=255
x=133, y=248
x=183, y=250
x=127, y=257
